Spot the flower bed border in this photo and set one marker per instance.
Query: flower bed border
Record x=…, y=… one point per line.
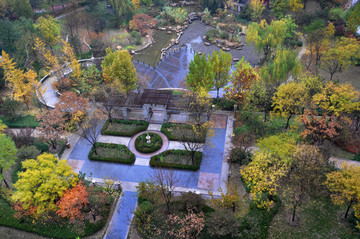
x=142, y=126
x=131, y=159
x=155, y=160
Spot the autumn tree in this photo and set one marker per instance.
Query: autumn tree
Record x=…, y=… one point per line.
x=89, y=128
x=269, y=165
x=280, y=7
x=142, y=23
x=290, y=99
x=340, y=56
x=336, y=99
x=119, y=70
x=222, y=224
x=49, y=29
x=241, y=79
x=319, y=128
x=51, y=126
x=47, y=58
x=221, y=63
x=72, y=203
x=258, y=8
x=227, y=200
x=353, y=20
x=166, y=180
x=344, y=186
x=7, y=154
x=189, y=226
x=201, y=74
x=71, y=60
x=73, y=106
x=305, y=176
x=42, y=184
x=22, y=83
x=266, y=37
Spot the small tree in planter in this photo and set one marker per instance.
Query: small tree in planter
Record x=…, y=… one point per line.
x=89, y=128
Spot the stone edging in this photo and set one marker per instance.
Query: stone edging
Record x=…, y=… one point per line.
x=132, y=148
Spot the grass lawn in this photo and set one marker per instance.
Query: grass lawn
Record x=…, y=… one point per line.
x=142, y=146
x=112, y=153
x=319, y=219
x=124, y=127
x=21, y=122
x=176, y=159
x=174, y=132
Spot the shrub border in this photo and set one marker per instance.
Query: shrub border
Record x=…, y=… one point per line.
x=142, y=125
x=131, y=160
x=155, y=162
x=164, y=130
x=150, y=150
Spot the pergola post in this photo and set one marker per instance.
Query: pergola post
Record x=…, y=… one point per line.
x=124, y=110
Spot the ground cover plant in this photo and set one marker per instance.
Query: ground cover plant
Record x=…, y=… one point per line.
x=20, y=122
x=126, y=128
x=111, y=153
x=142, y=146
x=180, y=159
x=172, y=131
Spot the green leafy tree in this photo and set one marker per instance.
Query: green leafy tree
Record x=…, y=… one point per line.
x=266, y=37
x=7, y=155
x=42, y=184
x=119, y=70
x=125, y=9
x=201, y=74
x=354, y=18
x=22, y=8
x=221, y=63
x=290, y=99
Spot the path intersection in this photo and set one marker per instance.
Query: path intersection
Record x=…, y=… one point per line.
x=212, y=174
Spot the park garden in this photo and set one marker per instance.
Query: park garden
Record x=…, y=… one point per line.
x=270, y=95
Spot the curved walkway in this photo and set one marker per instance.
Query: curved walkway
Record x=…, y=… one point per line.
x=143, y=155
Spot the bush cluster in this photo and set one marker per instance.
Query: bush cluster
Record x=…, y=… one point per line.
x=143, y=147
x=160, y=161
x=141, y=126
x=122, y=149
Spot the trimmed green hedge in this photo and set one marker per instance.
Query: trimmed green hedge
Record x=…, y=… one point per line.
x=166, y=128
x=124, y=155
x=143, y=147
x=20, y=122
x=142, y=125
x=159, y=160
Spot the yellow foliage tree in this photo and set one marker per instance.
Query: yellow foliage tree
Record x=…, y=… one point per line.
x=70, y=58
x=43, y=183
x=270, y=164
x=258, y=7
x=226, y=200
x=23, y=84
x=46, y=57
x=49, y=29
x=344, y=186
x=337, y=99
x=136, y=3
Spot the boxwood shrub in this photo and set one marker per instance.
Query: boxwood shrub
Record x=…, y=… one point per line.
x=124, y=154
x=160, y=160
x=143, y=147
x=166, y=128
x=141, y=126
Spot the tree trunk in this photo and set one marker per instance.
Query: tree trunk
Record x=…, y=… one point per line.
x=293, y=215
x=95, y=149
x=331, y=75
x=53, y=144
x=287, y=122
x=193, y=157
x=233, y=206
x=347, y=210
x=217, y=93
x=6, y=184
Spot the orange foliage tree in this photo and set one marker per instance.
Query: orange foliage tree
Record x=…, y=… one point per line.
x=72, y=202
x=142, y=23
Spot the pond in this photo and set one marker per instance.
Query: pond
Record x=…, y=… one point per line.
x=151, y=55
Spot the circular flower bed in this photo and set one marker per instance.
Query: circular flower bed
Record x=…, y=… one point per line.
x=142, y=146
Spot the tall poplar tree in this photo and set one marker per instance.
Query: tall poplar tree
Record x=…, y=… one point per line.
x=221, y=63
x=201, y=74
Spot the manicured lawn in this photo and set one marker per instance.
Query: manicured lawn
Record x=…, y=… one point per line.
x=173, y=132
x=180, y=159
x=142, y=146
x=20, y=122
x=124, y=127
x=320, y=219
x=112, y=153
